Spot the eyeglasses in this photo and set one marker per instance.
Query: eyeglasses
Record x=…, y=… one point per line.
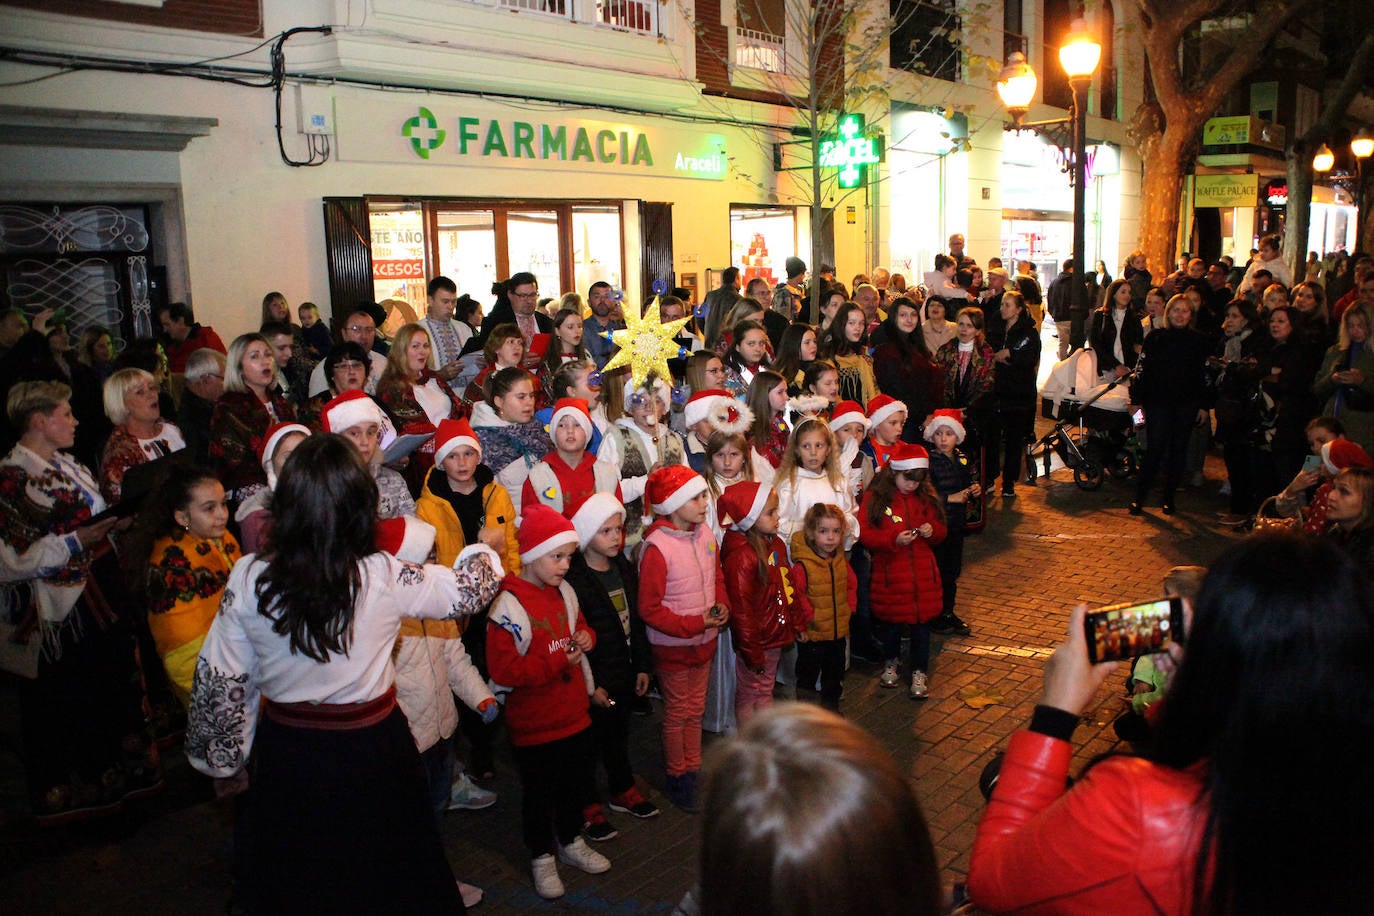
x=348, y=364
x=533, y=295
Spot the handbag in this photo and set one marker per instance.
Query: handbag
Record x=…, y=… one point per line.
x=1276, y=522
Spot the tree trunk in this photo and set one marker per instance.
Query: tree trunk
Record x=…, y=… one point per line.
x=1161, y=187
x=1298, y=223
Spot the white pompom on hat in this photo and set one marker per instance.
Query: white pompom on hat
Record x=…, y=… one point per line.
x=725, y=412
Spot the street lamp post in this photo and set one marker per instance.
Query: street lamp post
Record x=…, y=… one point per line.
x=1079, y=55
x=1361, y=146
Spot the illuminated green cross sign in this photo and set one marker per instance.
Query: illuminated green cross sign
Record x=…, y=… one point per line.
x=849, y=150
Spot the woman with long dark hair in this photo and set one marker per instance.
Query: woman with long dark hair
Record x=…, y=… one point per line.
x=1013, y=392
x=297, y=669
x=903, y=368
x=1172, y=389
x=1235, y=378
x=845, y=343
x=1286, y=372
x=1254, y=797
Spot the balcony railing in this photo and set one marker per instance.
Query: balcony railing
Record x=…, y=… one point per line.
x=632, y=15
x=760, y=51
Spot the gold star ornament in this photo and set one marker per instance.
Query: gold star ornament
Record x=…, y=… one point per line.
x=646, y=344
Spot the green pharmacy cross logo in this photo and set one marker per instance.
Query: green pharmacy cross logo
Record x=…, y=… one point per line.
x=423, y=132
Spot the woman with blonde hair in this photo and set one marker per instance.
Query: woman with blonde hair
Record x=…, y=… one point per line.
x=414, y=398
x=140, y=432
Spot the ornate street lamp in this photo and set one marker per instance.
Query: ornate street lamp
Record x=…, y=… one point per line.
x=1361, y=146
x=1016, y=85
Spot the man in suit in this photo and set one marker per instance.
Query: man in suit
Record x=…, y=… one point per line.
x=517, y=302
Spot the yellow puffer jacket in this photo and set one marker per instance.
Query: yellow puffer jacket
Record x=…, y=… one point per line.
x=831, y=590
x=448, y=538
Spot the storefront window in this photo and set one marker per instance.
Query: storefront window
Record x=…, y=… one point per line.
x=761, y=241
x=398, y=253
x=532, y=241
x=596, y=247
x=467, y=249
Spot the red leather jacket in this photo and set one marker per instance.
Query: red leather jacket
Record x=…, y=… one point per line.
x=1122, y=841
x=762, y=615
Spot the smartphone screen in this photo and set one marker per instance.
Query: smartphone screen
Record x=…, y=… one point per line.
x=1312, y=463
x=1127, y=630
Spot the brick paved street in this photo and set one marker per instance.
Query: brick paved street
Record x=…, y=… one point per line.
x=1052, y=546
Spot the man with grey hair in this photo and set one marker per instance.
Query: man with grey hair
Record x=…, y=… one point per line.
x=204, y=383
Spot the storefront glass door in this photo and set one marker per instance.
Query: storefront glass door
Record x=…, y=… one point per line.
x=761, y=241
x=467, y=249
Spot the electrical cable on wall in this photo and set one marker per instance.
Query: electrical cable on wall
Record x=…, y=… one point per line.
x=318, y=146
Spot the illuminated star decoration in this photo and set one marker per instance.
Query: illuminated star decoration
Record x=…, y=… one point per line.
x=646, y=344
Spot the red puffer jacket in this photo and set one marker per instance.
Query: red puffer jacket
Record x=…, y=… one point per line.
x=762, y=615
x=905, y=585
x=1122, y=841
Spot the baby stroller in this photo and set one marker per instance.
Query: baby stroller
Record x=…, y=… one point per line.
x=1094, y=431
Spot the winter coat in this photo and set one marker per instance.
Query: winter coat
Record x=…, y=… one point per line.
x=1291, y=390
x=1013, y=382
x=809, y=488
x=827, y=591
x=617, y=658
x=910, y=378
x=680, y=577
x=1102, y=338
x=950, y=474
x=509, y=449
x=498, y=512
x=237, y=430
x=905, y=587
x=1123, y=840
x=1173, y=370
x=432, y=666
x=763, y=616
x=1356, y=409
x=974, y=388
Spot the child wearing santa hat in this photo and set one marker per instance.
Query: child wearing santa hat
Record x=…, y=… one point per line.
x=359, y=419
x=886, y=419
x=899, y=520
x=709, y=411
x=756, y=573
x=607, y=588
x=682, y=600
x=254, y=514
x=567, y=476
x=951, y=472
x=536, y=640
x=465, y=504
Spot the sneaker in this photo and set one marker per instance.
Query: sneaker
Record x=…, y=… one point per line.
x=467, y=795
x=631, y=802
x=890, y=677
x=949, y=625
x=547, y=884
x=582, y=857
x=919, y=689
x=472, y=895
x=595, y=827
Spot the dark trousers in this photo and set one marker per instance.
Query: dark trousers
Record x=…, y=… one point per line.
x=823, y=657
x=1240, y=471
x=611, y=734
x=949, y=559
x=1167, y=429
x=891, y=634
x=555, y=781
x=438, y=762
x=1007, y=432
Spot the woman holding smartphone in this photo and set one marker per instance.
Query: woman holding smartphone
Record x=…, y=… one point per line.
x=1216, y=818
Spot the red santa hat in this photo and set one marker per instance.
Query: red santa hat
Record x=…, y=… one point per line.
x=543, y=531
x=908, y=457
x=951, y=417
x=275, y=433
x=725, y=412
x=406, y=538
x=593, y=513
x=847, y=412
x=450, y=435
x=741, y=504
x=670, y=487
x=882, y=407
x=348, y=410
x=1339, y=454
x=575, y=408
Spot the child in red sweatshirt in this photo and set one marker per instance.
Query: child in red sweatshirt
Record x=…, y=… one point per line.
x=568, y=476
x=682, y=601
x=536, y=638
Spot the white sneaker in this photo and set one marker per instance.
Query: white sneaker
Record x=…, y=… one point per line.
x=919, y=690
x=547, y=884
x=467, y=795
x=890, y=677
x=581, y=856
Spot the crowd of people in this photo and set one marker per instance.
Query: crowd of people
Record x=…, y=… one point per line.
x=300, y=546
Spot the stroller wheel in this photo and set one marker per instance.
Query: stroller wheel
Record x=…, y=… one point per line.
x=1088, y=476
x=1122, y=465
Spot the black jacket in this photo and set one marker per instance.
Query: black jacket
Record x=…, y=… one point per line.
x=1102, y=337
x=502, y=313
x=1173, y=370
x=1059, y=297
x=614, y=662
x=1013, y=383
